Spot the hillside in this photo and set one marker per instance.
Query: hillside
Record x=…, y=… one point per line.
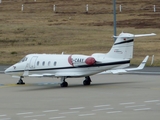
x=39, y=27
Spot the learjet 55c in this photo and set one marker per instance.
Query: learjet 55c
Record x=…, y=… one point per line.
x=76, y=65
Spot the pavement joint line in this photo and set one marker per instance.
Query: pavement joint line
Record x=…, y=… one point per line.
x=3, y=115
x=69, y=112
x=101, y=105
x=156, y=88
x=76, y=108
x=50, y=110
x=129, y=103
x=35, y=116
x=114, y=112
x=25, y=113
x=81, y=115
x=152, y=101
x=134, y=106
x=142, y=109
x=5, y=119
x=59, y=117
x=46, y=83
x=3, y=86
x=102, y=109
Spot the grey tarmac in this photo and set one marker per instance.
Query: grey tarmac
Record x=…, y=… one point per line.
x=109, y=97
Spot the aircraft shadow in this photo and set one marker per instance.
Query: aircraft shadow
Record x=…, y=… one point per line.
x=48, y=87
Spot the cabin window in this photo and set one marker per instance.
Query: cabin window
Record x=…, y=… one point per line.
x=38, y=63
x=55, y=63
x=43, y=63
x=49, y=63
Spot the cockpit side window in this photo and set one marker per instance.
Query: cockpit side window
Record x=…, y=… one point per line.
x=24, y=59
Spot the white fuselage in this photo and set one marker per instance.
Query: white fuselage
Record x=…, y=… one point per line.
x=58, y=65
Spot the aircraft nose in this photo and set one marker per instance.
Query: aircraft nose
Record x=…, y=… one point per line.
x=6, y=71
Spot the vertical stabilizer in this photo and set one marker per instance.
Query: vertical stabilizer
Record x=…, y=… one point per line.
x=123, y=46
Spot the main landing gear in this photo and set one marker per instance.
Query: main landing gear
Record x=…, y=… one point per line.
x=64, y=83
x=20, y=82
x=87, y=81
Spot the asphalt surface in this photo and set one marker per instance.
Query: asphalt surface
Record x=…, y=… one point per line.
x=109, y=97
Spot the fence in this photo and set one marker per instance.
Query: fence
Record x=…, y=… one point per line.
x=24, y=6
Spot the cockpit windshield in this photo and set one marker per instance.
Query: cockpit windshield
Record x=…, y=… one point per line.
x=24, y=59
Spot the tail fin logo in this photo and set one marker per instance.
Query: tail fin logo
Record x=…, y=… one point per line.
x=118, y=51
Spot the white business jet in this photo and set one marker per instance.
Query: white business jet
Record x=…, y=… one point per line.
x=77, y=65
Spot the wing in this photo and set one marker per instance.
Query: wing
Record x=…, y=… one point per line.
x=58, y=74
x=42, y=75
x=127, y=70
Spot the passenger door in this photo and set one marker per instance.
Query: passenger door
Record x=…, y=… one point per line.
x=33, y=62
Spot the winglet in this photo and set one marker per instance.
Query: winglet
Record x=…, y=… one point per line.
x=141, y=66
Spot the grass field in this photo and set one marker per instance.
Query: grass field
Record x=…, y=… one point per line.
x=37, y=29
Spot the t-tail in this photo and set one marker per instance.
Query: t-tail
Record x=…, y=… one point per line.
x=123, y=46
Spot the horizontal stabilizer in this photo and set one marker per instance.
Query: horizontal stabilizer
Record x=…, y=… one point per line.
x=139, y=35
x=143, y=35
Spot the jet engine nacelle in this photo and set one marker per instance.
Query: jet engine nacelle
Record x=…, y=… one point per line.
x=78, y=60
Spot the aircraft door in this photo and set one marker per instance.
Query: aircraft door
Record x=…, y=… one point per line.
x=33, y=62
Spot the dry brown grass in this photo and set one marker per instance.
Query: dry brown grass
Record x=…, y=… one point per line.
x=71, y=30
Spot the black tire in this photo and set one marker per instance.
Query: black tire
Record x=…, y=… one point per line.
x=20, y=82
x=64, y=84
x=86, y=82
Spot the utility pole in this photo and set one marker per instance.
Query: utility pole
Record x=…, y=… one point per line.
x=114, y=19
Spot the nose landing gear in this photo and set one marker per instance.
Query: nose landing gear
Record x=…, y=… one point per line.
x=20, y=82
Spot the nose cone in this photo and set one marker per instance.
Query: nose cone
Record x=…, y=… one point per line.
x=7, y=70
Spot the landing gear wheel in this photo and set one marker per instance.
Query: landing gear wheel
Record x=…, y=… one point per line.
x=64, y=84
x=20, y=82
x=87, y=81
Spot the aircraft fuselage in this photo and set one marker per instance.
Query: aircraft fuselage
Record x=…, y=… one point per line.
x=63, y=65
